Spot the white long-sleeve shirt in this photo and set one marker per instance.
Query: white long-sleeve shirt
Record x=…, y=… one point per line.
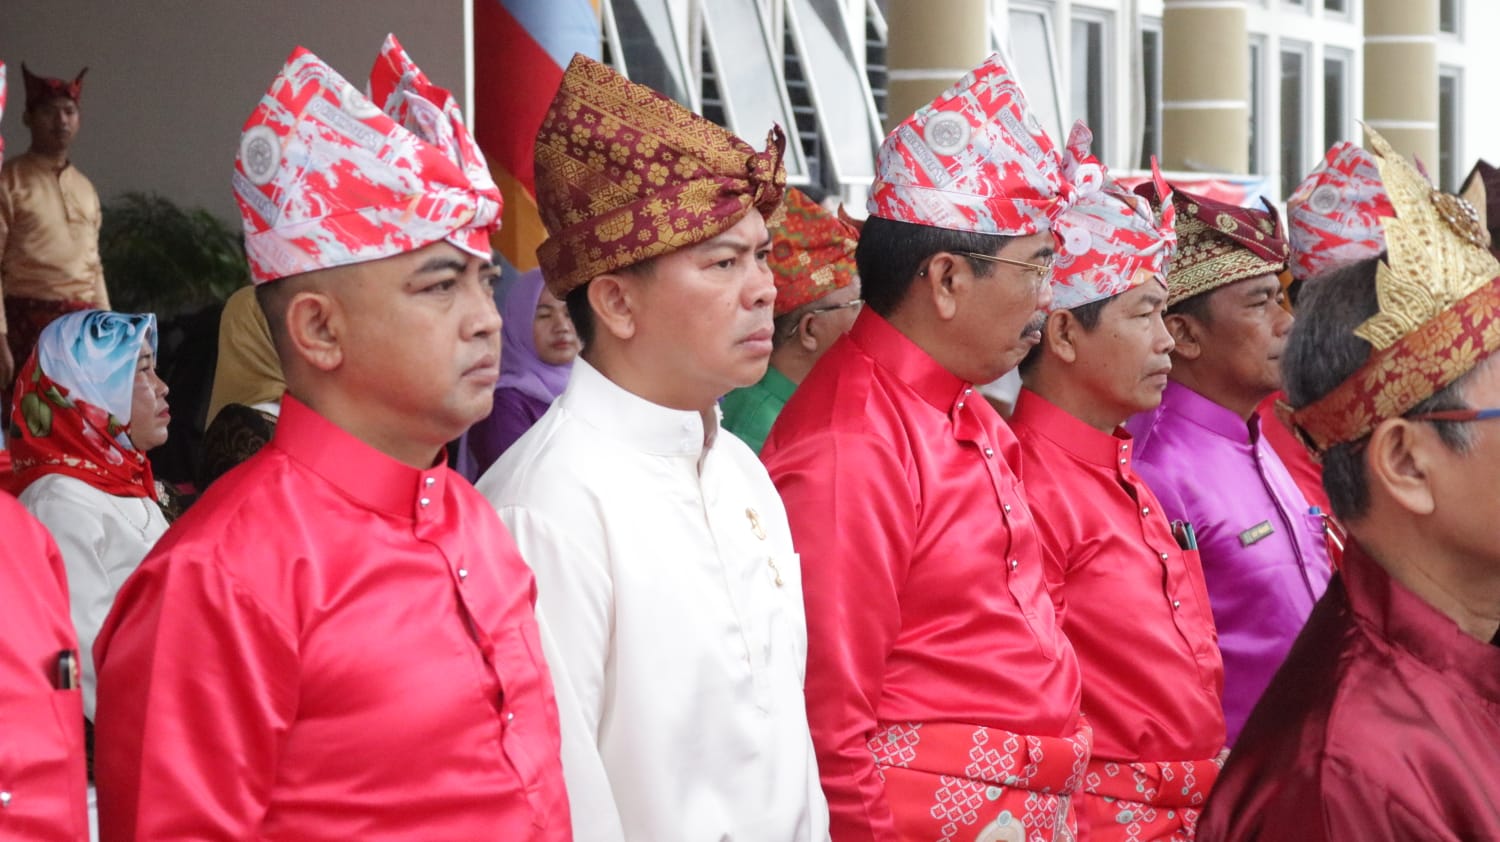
x=670, y=603
x=103, y=538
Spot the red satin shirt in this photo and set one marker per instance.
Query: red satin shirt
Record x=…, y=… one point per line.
x=329, y=645
x=921, y=567
x=41, y=726
x=1133, y=603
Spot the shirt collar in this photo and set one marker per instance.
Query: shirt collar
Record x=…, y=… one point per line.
x=777, y=384
x=645, y=426
x=1061, y=428
x=371, y=478
x=1183, y=401
x=905, y=360
x=1401, y=617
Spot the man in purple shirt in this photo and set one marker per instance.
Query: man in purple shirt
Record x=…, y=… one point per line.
x=1262, y=546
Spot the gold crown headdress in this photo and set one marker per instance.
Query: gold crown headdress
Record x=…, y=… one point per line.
x=1439, y=308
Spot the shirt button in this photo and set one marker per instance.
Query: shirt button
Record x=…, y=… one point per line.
x=1122, y=461
x=463, y=572
x=423, y=502
x=968, y=391
x=1163, y=556
x=1014, y=563
x=1007, y=507
x=960, y=404
x=4, y=799
x=988, y=453
x=510, y=717
x=429, y=481
x=1145, y=510
x=1176, y=604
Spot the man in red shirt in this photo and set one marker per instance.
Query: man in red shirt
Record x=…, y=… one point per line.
x=337, y=641
x=1152, y=674
x=942, y=696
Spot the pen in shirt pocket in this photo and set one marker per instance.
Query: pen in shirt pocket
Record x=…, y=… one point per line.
x=65, y=671
x=1187, y=539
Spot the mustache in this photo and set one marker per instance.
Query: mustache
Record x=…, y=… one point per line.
x=1035, y=324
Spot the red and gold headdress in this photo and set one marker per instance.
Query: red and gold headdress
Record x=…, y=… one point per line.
x=1439, y=293
x=624, y=174
x=812, y=253
x=1218, y=243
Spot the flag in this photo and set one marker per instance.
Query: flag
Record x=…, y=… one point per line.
x=520, y=50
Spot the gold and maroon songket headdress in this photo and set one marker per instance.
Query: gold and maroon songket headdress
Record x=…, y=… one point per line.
x=1219, y=243
x=1439, y=318
x=624, y=174
x=812, y=253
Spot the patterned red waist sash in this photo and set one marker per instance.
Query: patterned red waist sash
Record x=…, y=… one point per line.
x=1145, y=801
x=951, y=781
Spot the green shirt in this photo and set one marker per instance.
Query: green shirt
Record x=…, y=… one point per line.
x=750, y=412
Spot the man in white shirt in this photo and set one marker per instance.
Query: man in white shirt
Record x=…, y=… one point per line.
x=668, y=592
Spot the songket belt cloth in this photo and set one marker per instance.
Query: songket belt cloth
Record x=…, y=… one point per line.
x=1145, y=802
x=969, y=783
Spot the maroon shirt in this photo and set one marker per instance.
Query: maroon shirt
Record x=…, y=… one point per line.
x=1383, y=723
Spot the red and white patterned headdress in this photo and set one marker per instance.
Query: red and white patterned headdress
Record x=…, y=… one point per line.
x=1334, y=216
x=325, y=177
x=1109, y=240
x=975, y=159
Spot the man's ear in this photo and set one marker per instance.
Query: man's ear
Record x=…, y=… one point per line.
x=1060, y=335
x=1399, y=462
x=315, y=324
x=807, y=332
x=613, y=300
x=943, y=281
x=1187, y=335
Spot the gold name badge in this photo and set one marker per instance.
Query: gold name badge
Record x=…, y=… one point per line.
x=1258, y=532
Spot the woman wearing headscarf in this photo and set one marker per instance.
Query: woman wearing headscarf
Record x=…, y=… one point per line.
x=247, y=390
x=537, y=349
x=88, y=407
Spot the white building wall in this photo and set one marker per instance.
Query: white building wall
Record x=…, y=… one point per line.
x=170, y=82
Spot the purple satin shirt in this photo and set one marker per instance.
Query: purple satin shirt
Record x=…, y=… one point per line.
x=1263, y=551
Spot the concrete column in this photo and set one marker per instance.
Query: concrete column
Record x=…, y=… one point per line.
x=1401, y=75
x=931, y=44
x=1205, y=86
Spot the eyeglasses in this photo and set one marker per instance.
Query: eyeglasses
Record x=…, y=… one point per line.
x=1040, y=270
x=1461, y=415
x=856, y=304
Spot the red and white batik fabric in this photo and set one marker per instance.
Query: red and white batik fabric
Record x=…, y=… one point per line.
x=325, y=178
x=1109, y=240
x=975, y=159
x=1334, y=216
x=1145, y=802
x=968, y=783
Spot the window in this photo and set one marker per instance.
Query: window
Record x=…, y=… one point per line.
x=1257, y=111
x=1030, y=49
x=1087, y=86
x=1450, y=16
x=1335, y=96
x=845, y=109
x=1450, y=126
x=1151, y=88
x=746, y=77
x=1337, y=6
x=1293, y=115
x=647, y=50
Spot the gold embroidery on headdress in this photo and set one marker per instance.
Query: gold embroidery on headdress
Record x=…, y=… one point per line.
x=1437, y=251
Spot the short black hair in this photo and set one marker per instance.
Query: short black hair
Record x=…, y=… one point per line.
x=582, y=312
x=1195, y=306
x=891, y=253
x=1088, y=317
x=1323, y=352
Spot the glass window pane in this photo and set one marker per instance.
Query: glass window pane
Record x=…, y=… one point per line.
x=1256, y=118
x=648, y=49
x=1087, y=78
x=1448, y=105
x=1448, y=16
x=1151, y=83
x=747, y=78
x=1336, y=5
x=1292, y=80
x=1031, y=50
x=1335, y=105
x=843, y=111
